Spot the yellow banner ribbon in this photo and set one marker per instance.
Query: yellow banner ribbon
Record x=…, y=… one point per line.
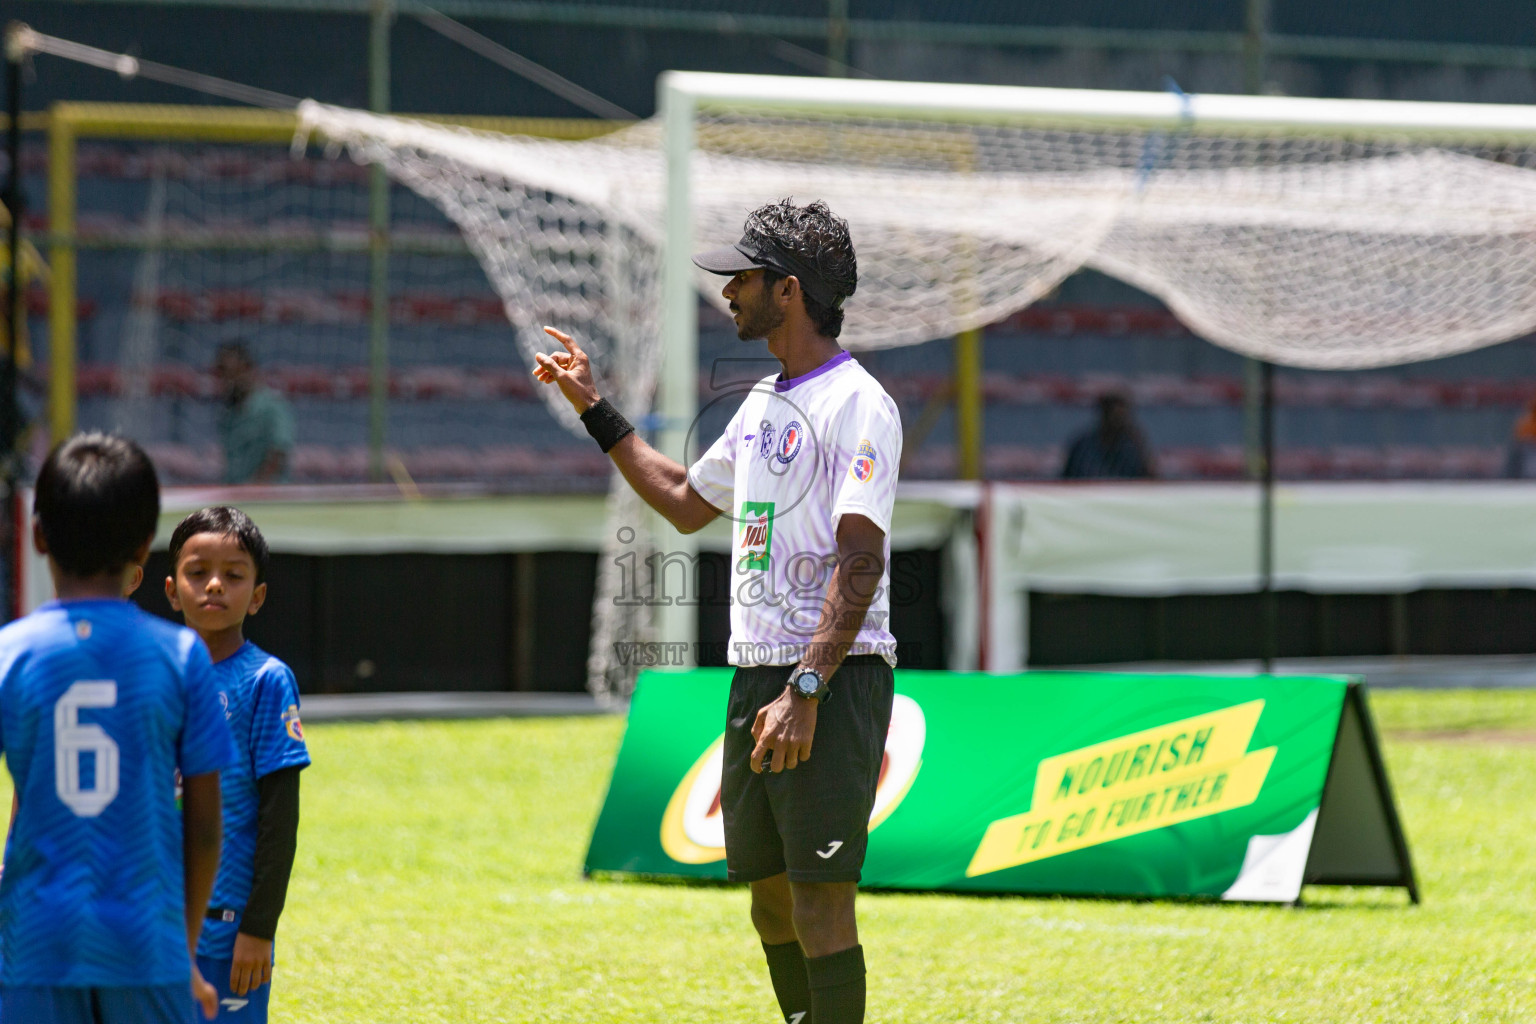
x=1131, y=784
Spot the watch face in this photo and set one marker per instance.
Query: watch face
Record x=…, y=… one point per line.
x=808, y=683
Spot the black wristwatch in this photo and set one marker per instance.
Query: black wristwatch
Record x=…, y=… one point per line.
x=807, y=684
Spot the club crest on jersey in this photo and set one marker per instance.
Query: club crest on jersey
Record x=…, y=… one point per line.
x=224, y=703
x=756, y=535
x=291, y=723
x=862, y=468
x=765, y=440
x=789, y=442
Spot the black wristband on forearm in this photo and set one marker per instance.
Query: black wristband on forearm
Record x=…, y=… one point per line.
x=606, y=424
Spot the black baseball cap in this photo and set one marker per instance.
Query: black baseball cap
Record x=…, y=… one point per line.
x=752, y=254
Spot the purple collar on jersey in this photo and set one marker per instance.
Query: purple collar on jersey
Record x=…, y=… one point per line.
x=784, y=385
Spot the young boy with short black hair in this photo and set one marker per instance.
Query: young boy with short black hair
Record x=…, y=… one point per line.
x=218, y=579
x=105, y=883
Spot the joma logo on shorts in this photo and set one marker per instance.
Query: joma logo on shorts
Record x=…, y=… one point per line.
x=756, y=534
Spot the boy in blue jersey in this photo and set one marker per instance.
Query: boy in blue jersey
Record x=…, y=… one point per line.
x=131, y=584
x=105, y=883
x=219, y=567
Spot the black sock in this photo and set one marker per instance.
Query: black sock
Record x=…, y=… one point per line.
x=786, y=966
x=837, y=987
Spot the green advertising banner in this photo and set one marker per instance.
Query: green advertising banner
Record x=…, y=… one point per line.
x=1053, y=782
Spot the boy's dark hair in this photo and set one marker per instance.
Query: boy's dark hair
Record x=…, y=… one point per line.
x=817, y=238
x=98, y=502
x=223, y=521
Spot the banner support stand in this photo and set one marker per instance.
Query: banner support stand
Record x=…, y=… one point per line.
x=1357, y=750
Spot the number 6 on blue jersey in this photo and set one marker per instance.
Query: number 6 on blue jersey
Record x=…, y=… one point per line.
x=72, y=741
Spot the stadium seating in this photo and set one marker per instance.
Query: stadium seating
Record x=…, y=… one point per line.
x=463, y=408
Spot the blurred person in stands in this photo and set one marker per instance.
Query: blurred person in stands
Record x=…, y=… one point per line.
x=1520, y=462
x=1112, y=448
x=256, y=425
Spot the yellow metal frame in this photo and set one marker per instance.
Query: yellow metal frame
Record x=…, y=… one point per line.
x=62, y=395
x=970, y=408
x=67, y=123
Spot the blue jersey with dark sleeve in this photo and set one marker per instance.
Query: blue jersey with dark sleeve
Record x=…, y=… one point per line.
x=261, y=702
x=100, y=705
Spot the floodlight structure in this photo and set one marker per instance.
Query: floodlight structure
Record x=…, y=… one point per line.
x=1300, y=232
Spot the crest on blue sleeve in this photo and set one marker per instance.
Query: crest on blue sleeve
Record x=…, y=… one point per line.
x=291, y=723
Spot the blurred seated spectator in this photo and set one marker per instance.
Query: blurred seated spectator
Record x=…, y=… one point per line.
x=1113, y=448
x=1520, y=462
x=256, y=425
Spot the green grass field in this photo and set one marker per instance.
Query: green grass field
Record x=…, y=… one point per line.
x=439, y=880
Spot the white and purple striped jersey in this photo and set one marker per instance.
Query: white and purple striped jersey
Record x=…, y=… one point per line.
x=799, y=455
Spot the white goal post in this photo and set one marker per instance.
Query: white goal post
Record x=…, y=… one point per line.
x=1330, y=234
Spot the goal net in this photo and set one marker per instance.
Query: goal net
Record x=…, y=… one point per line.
x=191, y=228
x=1309, y=233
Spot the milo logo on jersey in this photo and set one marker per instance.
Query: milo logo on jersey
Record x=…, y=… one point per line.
x=756, y=541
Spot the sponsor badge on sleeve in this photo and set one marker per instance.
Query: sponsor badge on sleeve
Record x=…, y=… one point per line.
x=291, y=723
x=862, y=468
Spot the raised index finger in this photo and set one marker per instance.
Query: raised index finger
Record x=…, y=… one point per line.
x=562, y=338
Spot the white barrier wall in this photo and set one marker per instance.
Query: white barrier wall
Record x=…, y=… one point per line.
x=1156, y=539
x=1000, y=540
x=377, y=521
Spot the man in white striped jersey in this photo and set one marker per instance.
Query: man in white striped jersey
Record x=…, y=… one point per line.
x=807, y=468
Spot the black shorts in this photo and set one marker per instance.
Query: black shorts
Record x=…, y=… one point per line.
x=813, y=820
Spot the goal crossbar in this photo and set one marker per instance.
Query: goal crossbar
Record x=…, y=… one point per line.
x=1102, y=108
